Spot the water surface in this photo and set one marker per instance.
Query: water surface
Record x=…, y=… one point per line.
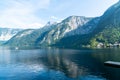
x=58, y=64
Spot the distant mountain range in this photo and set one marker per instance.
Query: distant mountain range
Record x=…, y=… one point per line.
x=49, y=34
x=74, y=31
x=7, y=33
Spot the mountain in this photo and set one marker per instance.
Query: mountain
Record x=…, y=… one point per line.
x=28, y=37
x=48, y=35
x=75, y=31
x=105, y=33
x=108, y=30
x=7, y=33
x=86, y=28
x=61, y=29
x=81, y=36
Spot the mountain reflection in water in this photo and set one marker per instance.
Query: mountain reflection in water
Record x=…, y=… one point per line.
x=57, y=64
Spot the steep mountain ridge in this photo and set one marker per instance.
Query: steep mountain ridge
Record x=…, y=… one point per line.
x=108, y=29
x=76, y=31
x=62, y=29
x=110, y=17
x=27, y=37
x=49, y=34
x=106, y=33
x=86, y=28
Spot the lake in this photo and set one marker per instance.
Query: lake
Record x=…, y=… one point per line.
x=58, y=64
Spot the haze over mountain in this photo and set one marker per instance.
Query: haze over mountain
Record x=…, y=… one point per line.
x=74, y=31
x=7, y=33
x=49, y=34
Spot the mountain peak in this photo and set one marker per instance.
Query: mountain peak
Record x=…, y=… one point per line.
x=49, y=23
x=75, y=18
x=75, y=21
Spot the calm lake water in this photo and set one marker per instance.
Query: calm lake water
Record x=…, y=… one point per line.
x=58, y=64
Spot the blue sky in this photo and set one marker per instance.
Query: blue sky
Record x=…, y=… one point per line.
x=36, y=13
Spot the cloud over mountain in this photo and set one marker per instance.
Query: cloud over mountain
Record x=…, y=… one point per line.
x=21, y=13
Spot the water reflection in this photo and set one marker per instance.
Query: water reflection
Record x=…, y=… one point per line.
x=57, y=64
x=56, y=59
x=109, y=55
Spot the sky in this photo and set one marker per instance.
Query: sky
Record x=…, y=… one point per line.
x=36, y=13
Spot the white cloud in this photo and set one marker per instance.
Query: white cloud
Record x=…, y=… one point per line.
x=55, y=19
x=21, y=13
